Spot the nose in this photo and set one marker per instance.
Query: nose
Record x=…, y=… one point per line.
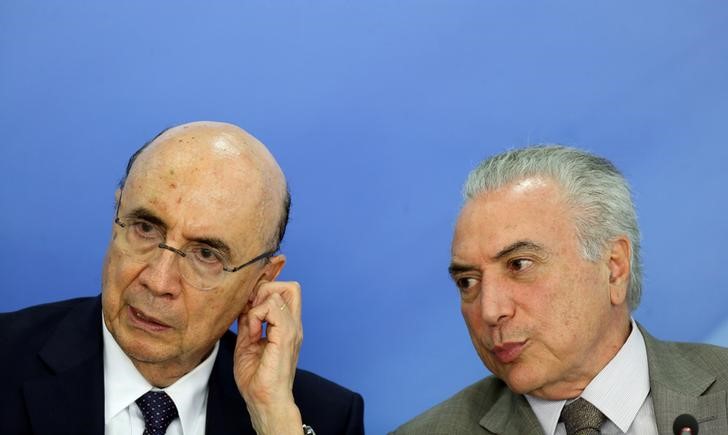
x=161, y=276
x=496, y=302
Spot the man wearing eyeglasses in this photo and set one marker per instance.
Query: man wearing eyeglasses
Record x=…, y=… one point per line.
x=200, y=215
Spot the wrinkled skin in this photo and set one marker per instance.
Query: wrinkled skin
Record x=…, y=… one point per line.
x=208, y=181
x=541, y=317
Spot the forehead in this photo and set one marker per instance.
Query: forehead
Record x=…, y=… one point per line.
x=532, y=209
x=205, y=191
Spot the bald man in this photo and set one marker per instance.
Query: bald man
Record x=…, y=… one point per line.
x=200, y=214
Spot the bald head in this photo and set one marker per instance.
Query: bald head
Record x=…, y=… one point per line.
x=223, y=156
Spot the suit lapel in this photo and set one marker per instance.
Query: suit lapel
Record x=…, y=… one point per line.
x=71, y=398
x=678, y=386
x=226, y=410
x=511, y=415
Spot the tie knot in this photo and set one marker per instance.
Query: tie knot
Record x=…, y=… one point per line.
x=582, y=418
x=158, y=410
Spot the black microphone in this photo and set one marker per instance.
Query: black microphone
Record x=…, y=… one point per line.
x=685, y=424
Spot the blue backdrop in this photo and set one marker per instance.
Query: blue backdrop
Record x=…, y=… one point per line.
x=376, y=111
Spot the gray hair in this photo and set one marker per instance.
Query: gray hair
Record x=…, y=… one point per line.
x=595, y=190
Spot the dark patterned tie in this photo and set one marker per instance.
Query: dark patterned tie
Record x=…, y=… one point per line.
x=582, y=418
x=158, y=410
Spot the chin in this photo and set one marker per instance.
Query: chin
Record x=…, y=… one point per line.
x=146, y=354
x=143, y=350
x=519, y=387
x=519, y=379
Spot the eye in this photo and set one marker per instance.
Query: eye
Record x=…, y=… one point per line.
x=465, y=284
x=145, y=231
x=206, y=256
x=519, y=264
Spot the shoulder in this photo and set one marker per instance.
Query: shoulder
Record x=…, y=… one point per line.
x=686, y=365
x=460, y=413
x=30, y=327
x=707, y=354
x=321, y=389
x=39, y=342
x=325, y=405
x=712, y=359
x=306, y=385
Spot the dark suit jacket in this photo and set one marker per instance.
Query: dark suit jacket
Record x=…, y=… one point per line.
x=684, y=378
x=52, y=382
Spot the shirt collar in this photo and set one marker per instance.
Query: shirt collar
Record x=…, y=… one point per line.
x=618, y=390
x=123, y=384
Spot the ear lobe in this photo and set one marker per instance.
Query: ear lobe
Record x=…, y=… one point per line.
x=619, y=269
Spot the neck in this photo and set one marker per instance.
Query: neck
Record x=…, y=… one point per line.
x=605, y=351
x=160, y=377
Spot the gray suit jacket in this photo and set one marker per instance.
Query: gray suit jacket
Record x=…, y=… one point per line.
x=684, y=378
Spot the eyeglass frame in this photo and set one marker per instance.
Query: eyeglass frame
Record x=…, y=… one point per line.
x=183, y=254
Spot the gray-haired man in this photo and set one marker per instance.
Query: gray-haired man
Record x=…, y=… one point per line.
x=546, y=258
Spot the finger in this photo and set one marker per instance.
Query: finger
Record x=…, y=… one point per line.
x=283, y=337
x=290, y=291
x=290, y=306
x=282, y=326
x=246, y=335
x=273, y=309
x=287, y=289
x=254, y=319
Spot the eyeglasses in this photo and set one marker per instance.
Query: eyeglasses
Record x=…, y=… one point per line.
x=200, y=265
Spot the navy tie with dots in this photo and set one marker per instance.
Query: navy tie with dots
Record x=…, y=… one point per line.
x=158, y=410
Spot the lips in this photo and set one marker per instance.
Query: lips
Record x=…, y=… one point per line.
x=146, y=322
x=508, y=352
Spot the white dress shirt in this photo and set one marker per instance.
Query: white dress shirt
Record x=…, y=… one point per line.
x=621, y=391
x=123, y=384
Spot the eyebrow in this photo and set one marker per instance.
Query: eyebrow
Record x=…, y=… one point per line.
x=520, y=245
x=149, y=216
x=456, y=268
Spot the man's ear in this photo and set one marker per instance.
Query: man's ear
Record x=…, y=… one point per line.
x=273, y=267
x=270, y=272
x=619, y=264
x=117, y=195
